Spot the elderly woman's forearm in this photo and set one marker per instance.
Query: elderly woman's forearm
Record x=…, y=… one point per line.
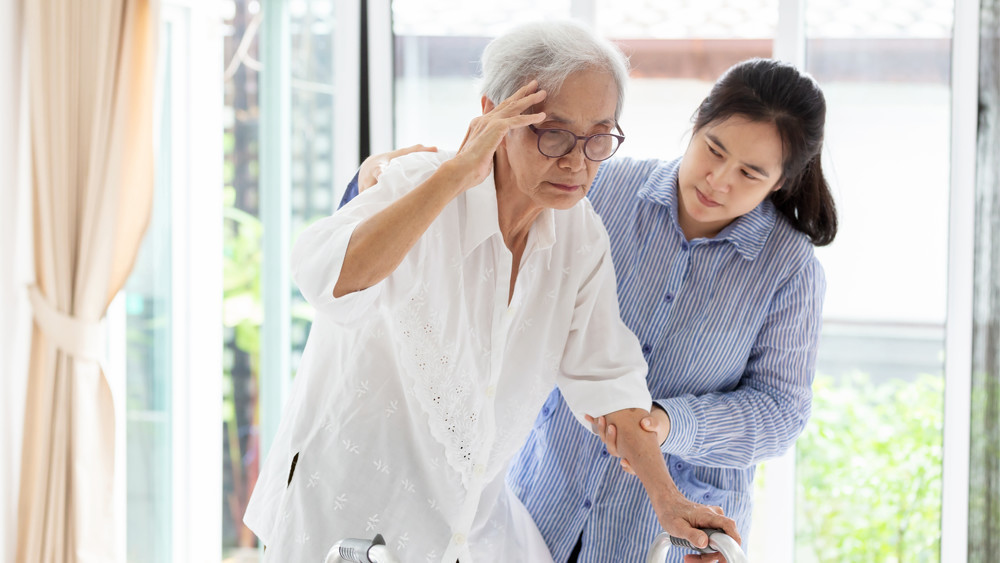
x=379, y=244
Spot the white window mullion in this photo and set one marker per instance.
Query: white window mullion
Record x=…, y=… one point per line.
x=196, y=289
x=380, y=76
x=790, y=35
x=961, y=239
x=584, y=11
x=275, y=214
x=346, y=78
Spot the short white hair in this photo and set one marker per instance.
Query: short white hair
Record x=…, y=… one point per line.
x=549, y=52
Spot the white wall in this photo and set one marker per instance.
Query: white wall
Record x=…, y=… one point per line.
x=15, y=269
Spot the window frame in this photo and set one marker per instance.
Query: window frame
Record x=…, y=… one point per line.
x=196, y=293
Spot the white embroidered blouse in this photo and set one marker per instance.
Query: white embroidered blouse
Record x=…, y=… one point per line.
x=414, y=394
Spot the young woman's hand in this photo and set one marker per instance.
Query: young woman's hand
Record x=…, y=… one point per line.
x=373, y=166
x=658, y=422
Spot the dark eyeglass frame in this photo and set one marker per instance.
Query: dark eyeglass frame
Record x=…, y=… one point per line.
x=585, y=138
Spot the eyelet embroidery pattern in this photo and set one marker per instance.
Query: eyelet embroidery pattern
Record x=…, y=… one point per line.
x=444, y=393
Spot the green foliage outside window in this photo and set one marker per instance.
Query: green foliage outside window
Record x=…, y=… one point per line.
x=869, y=471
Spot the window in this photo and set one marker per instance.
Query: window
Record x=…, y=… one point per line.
x=164, y=327
x=869, y=464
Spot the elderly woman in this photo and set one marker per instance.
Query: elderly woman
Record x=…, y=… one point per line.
x=450, y=298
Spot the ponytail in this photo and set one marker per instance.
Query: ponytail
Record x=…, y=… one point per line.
x=808, y=204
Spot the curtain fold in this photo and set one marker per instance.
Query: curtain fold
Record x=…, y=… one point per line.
x=90, y=78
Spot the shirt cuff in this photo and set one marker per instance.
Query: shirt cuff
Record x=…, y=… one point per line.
x=683, y=426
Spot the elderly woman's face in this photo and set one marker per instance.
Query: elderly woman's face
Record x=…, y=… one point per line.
x=585, y=105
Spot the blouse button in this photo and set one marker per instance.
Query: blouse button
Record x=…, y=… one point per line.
x=459, y=539
x=479, y=470
x=491, y=391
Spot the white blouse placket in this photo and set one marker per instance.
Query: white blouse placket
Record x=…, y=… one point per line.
x=503, y=316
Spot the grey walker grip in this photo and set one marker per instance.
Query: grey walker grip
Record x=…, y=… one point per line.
x=679, y=542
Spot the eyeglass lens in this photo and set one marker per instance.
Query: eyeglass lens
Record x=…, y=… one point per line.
x=555, y=143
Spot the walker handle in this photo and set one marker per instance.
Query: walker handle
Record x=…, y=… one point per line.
x=718, y=541
x=360, y=551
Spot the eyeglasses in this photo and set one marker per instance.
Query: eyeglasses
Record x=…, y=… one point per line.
x=556, y=143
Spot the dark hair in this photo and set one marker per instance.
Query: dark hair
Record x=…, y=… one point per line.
x=765, y=90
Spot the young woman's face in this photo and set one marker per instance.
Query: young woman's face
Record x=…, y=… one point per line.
x=729, y=167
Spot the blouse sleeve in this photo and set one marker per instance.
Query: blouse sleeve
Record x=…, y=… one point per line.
x=318, y=255
x=602, y=368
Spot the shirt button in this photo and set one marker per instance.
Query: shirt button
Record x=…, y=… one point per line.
x=586, y=504
x=668, y=297
x=685, y=246
x=604, y=453
x=491, y=391
x=545, y=411
x=459, y=539
x=708, y=496
x=679, y=465
x=646, y=348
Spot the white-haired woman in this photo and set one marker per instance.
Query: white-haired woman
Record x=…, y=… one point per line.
x=449, y=299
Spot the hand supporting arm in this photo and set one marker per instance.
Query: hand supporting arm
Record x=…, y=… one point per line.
x=678, y=516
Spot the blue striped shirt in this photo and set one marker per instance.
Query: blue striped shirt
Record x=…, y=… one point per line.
x=729, y=327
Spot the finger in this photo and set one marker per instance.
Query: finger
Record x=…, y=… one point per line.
x=728, y=525
x=413, y=148
x=696, y=537
x=612, y=440
x=717, y=510
x=702, y=558
x=520, y=101
x=648, y=424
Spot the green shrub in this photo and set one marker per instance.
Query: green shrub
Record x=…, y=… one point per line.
x=869, y=471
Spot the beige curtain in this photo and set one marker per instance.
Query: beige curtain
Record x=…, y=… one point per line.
x=90, y=86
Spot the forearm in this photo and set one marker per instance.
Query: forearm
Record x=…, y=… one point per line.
x=379, y=244
x=642, y=451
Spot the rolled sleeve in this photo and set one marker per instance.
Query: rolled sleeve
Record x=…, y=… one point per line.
x=317, y=260
x=602, y=369
x=318, y=255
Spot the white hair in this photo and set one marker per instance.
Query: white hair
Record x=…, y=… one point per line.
x=548, y=52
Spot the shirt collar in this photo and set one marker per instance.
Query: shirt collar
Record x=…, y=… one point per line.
x=747, y=233
x=482, y=220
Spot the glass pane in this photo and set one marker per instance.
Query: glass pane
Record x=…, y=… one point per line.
x=677, y=50
x=438, y=45
x=148, y=353
x=311, y=29
x=242, y=309
x=869, y=463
